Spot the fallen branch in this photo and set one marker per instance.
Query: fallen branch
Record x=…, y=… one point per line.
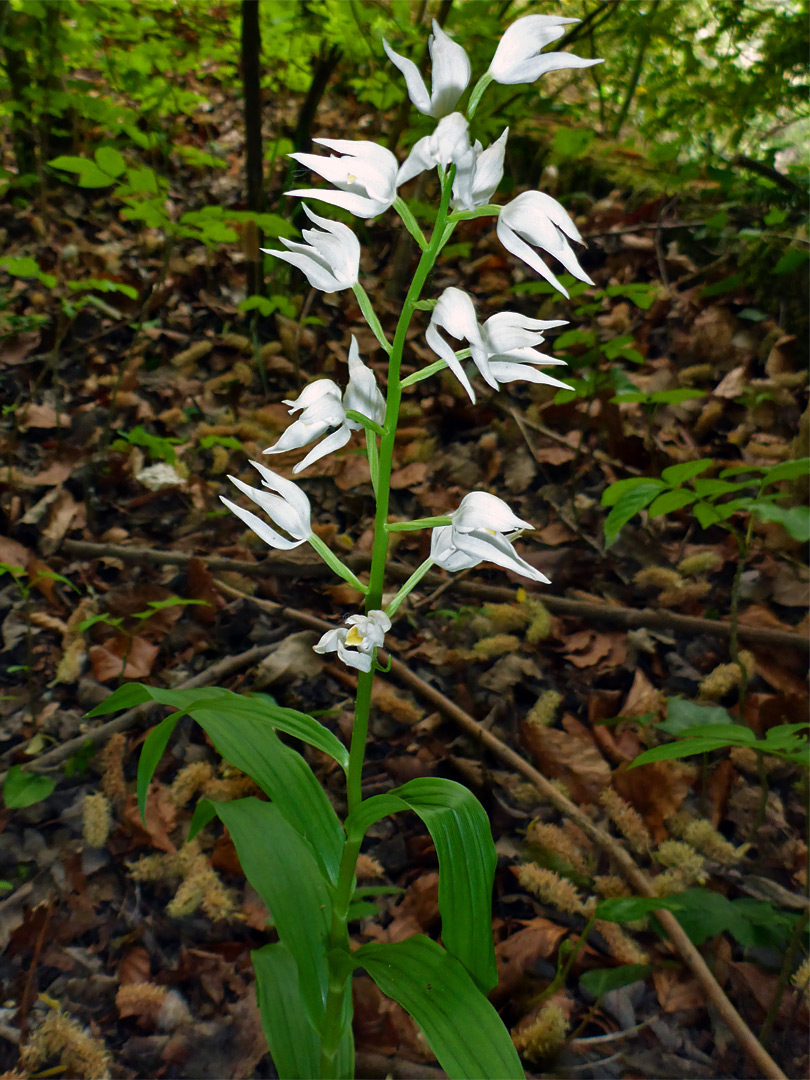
x=209, y=677
x=611, y=614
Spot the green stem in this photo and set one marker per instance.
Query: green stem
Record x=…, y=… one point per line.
x=338, y=936
x=788, y=966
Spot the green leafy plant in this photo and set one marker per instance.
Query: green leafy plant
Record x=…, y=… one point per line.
x=294, y=849
x=22, y=789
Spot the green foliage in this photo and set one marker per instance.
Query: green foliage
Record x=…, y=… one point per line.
x=161, y=448
x=708, y=498
x=601, y=980
x=704, y=913
x=21, y=789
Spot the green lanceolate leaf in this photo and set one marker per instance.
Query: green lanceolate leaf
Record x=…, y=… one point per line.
x=153, y=749
x=630, y=502
x=252, y=746
x=282, y=868
x=461, y=833
x=462, y=1028
x=294, y=1044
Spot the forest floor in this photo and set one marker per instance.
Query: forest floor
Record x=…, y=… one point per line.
x=116, y=446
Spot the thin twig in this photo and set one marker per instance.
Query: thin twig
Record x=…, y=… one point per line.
x=596, y=611
x=209, y=677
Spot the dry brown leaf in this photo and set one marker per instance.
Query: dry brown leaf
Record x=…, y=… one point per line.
x=678, y=990
x=642, y=698
x=569, y=758
x=518, y=953
x=555, y=533
x=396, y=704
x=656, y=790
x=409, y=476
x=107, y=658
x=732, y=385
x=586, y=648
x=134, y=966
x=40, y=415
x=159, y=817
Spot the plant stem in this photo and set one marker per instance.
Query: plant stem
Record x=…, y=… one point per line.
x=788, y=965
x=338, y=935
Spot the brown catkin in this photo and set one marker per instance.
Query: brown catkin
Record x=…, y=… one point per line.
x=497, y=645
x=189, y=780
x=801, y=978
x=611, y=886
x=558, y=841
x=544, y=1036
x=620, y=945
x=113, y=781
x=552, y=889
x=684, y=594
x=96, y=820
x=539, y=627
x=703, y=836
x=80, y=1054
x=506, y=617
x=703, y=562
x=657, y=577
x=627, y=820
x=544, y=710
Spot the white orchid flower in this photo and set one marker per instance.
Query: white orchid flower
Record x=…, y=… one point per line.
x=501, y=349
x=478, y=174
x=516, y=59
x=330, y=259
x=322, y=407
x=365, y=176
x=289, y=509
x=449, y=144
x=451, y=74
x=356, y=645
x=476, y=535
x=537, y=218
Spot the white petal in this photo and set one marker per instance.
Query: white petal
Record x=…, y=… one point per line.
x=314, y=393
x=329, y=641
x=512, y=242
x=417, y=91
x=445, y=351
x=358, y=205
x=418, y=161
x=329, y=445
x=480, y=510
x=354, y=657
x=450, y=72
x=276, y=508
x=299, y=434
x=522, y=40
x=290, y=492
x=489, y=170
x=445, y=554
x=503, y=371
x=362, y=394
x=261, y=528
x=316, y=274
x=495, y=548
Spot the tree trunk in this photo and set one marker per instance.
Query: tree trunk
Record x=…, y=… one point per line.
x=254, y=171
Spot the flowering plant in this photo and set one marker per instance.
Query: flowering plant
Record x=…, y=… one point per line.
x=293, y=849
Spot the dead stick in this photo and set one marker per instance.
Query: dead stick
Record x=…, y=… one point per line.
x=631, y=618
x=632, y=873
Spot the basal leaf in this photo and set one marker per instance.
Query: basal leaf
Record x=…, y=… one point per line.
x=461, y=833
x=462, y=1028
x=281, y=867
x=294, y=1044
x=252, y=745
x=669, y=501
x=152, y=751
x=22, y=789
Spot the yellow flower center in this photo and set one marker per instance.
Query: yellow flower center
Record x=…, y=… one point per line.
x=354, y=637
